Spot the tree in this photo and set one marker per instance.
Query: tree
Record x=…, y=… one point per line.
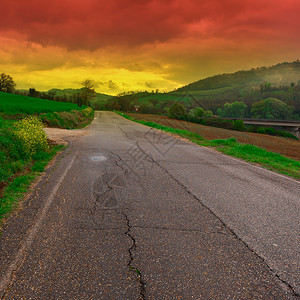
x=265, y=87
x=7, y=84
x=77, y=98
x=148, y=108
x=112, y=104
x=88, y=91
x=32, y=92
x=196, y=112
x=208, y=113
x=271, y=108
x=239, y=125
x=177, y=111
x=233, y=110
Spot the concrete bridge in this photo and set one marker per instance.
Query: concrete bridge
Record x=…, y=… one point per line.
x=292, y=127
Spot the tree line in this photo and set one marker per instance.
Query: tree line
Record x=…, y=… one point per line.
x=268, y=108
x=82, y=97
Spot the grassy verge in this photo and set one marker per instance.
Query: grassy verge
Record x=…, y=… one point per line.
x=52, y=113
x=270, y=160
x=19, y=164
x=73, y=119
x=68, y=119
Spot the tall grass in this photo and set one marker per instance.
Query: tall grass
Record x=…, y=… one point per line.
x=21, y=159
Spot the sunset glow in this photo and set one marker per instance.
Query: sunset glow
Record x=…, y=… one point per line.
x=142, y=44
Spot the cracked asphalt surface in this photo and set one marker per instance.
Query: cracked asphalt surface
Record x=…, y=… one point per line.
x=128, y=212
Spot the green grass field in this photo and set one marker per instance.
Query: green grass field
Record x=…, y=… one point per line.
x=16, y=104
x=18, y=170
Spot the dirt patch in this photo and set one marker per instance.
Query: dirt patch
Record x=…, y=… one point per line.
x=285, y=146
x=62, y=136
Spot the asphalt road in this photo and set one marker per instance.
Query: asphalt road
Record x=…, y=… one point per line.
x=127, y=212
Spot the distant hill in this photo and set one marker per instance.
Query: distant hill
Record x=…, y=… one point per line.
x=281, y=74
x=99, y=98
x=281, y=81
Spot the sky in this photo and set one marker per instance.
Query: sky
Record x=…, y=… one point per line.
x=125, y=45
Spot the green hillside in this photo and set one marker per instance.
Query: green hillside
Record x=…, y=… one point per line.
x=281, y=81
x=13, y=104
x=279, y=75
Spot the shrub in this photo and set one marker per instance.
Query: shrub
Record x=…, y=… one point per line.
x=208, y=113
x=30, y=136
x=266, y=130
x=270, y=131
x=261, y=130
x=286, y=134
x=239, y=125
x=196, y=112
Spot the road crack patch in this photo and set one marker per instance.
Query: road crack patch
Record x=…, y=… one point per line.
x=285, y=283
x=131, y=258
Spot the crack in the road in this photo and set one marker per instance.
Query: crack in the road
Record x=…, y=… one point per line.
x=289, y=286
x=221, y=231
x=123, y=132
x=131, y=267
x=284, y=282
x=149, y=227
x=118, y=164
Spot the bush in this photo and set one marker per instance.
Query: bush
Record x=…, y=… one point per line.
x=239, y=125
x=266, y=130
x=286, y=134
x=261, y=130
x=208, y=113
x=31, y=137
x=196, y=112
x=270, y=131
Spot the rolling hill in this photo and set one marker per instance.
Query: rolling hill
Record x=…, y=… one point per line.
x=282, y=74
x=281, y=81
x=13, y=104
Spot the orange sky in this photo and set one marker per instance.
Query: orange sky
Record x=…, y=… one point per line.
x=142, y=44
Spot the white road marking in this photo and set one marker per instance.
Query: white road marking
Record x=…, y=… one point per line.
x=31, y=234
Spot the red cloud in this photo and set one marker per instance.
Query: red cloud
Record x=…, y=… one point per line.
x=92, y=24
